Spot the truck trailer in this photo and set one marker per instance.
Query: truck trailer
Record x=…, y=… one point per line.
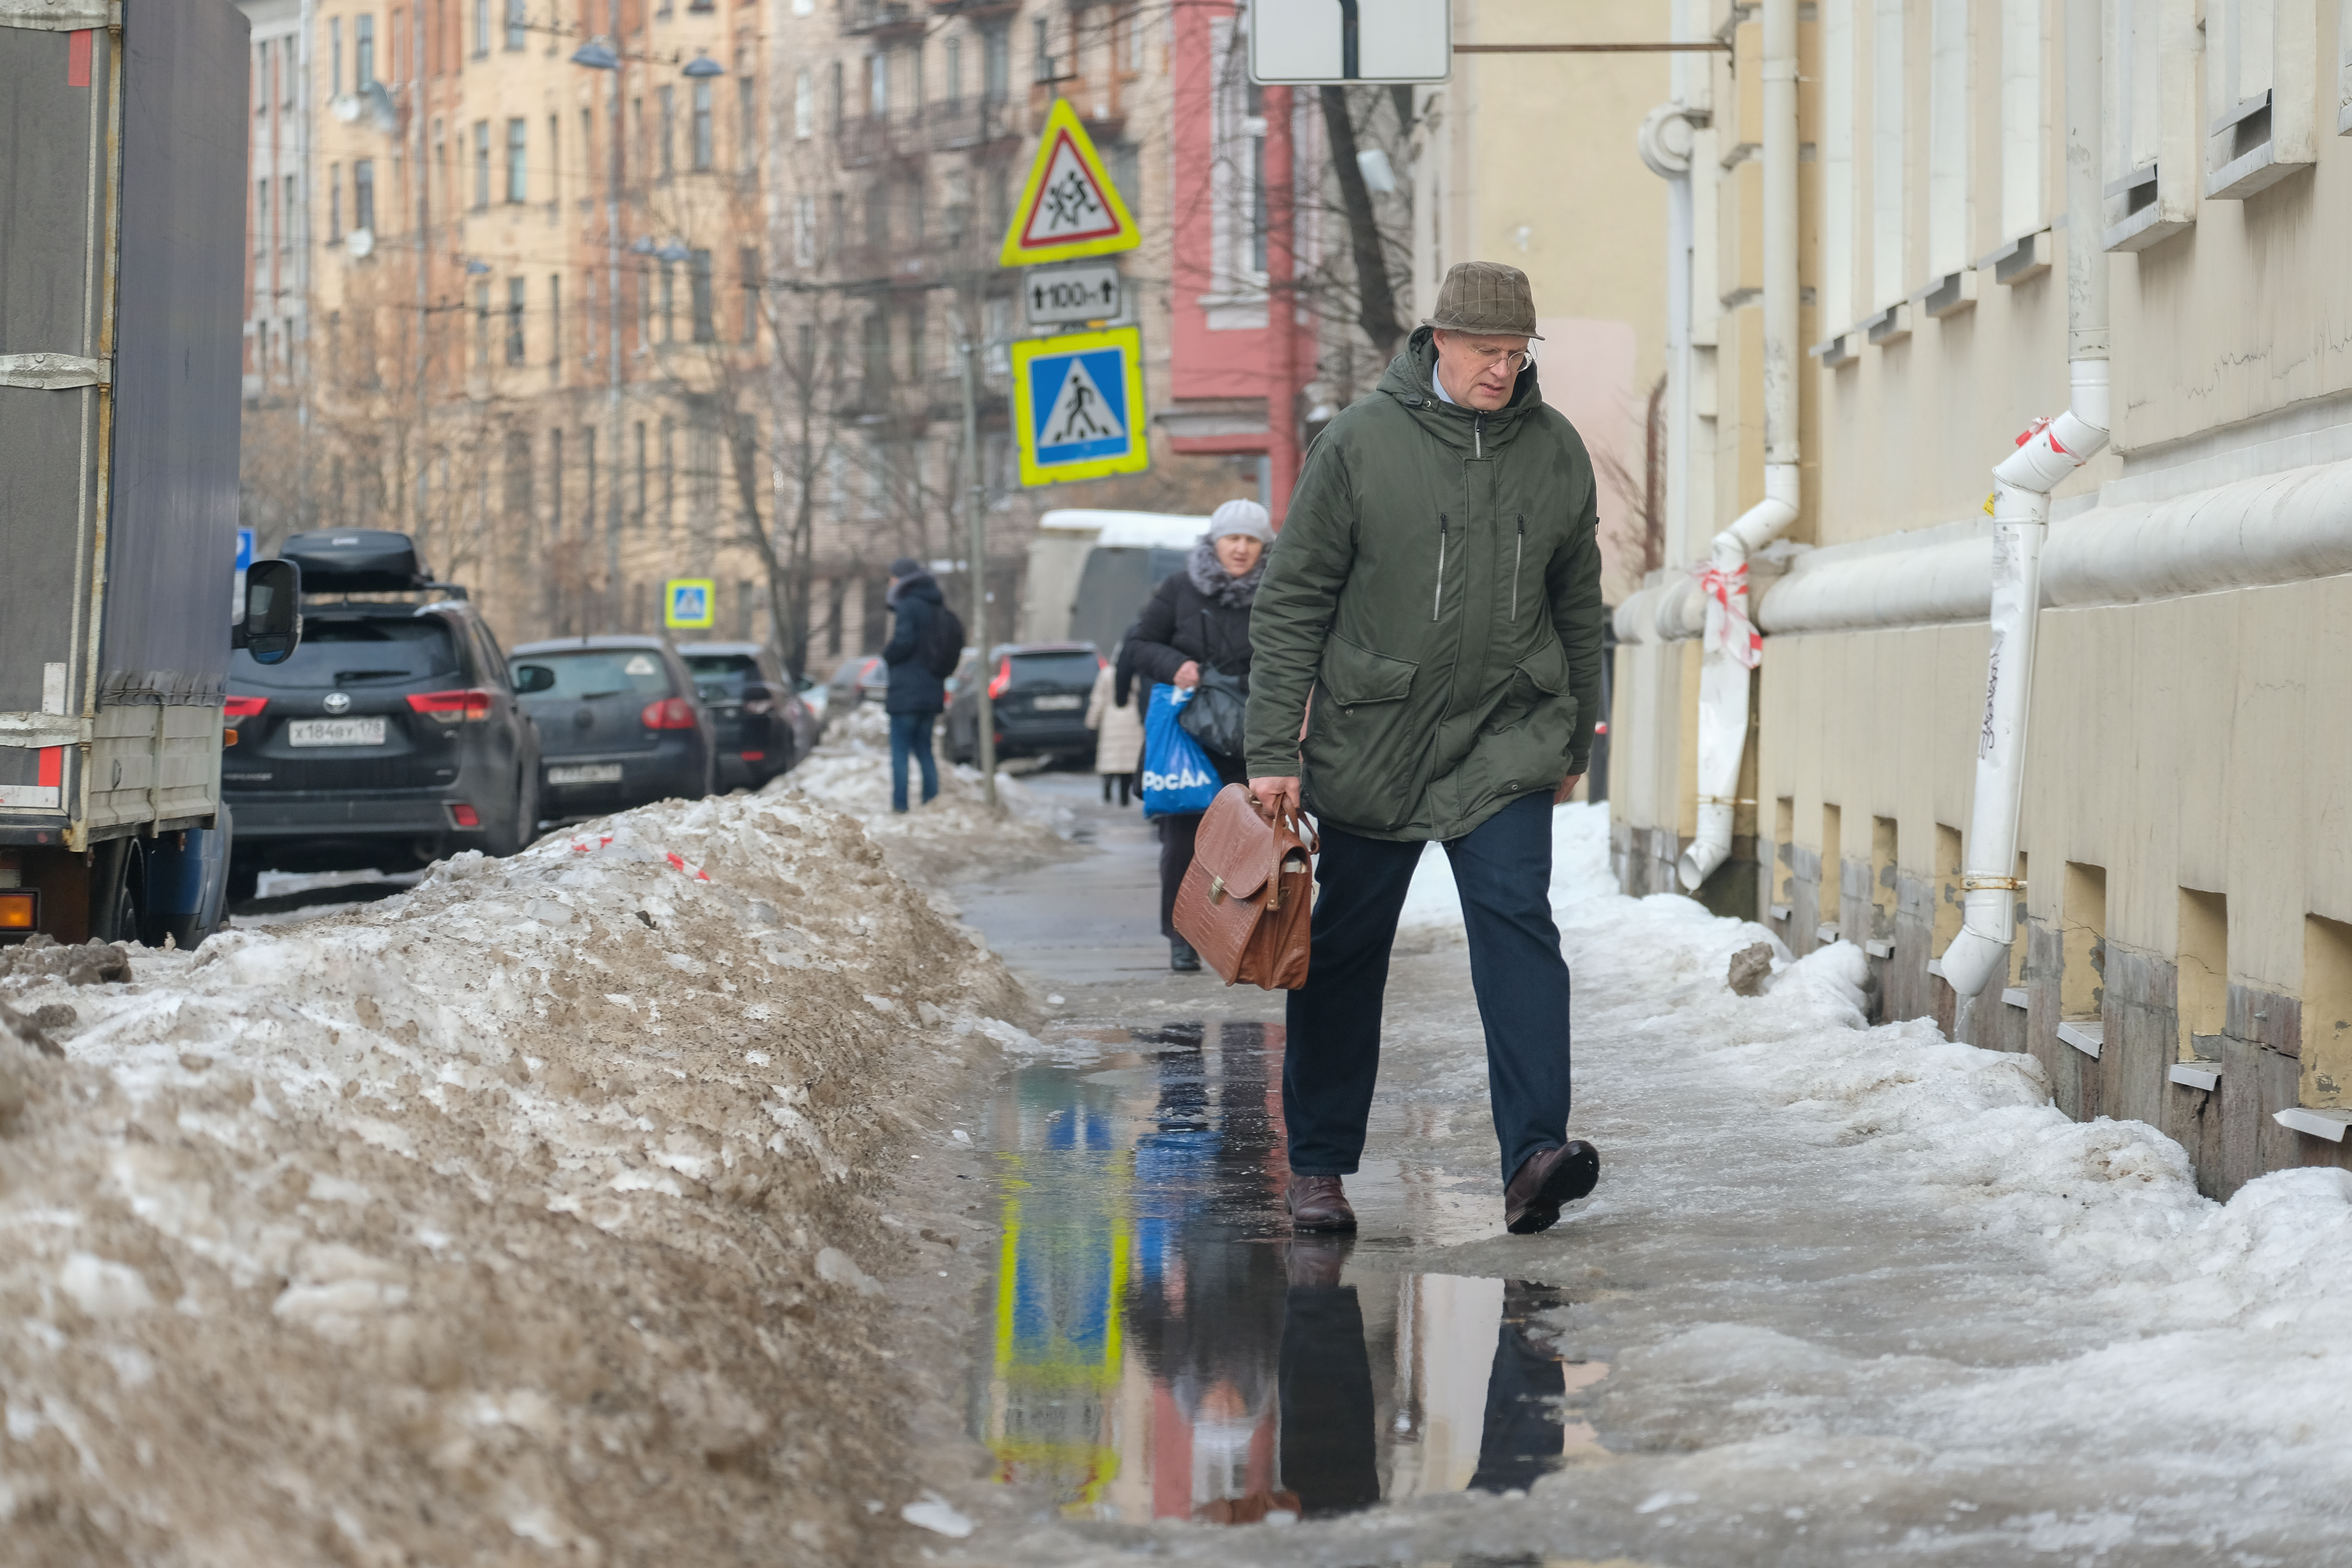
x=123, y=201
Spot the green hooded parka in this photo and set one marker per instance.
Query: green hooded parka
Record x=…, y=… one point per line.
x=1437, y=589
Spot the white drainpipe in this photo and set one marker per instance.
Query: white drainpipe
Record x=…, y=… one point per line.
x=1733, y=648
x=2022, y=486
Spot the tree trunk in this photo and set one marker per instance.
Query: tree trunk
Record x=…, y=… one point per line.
x=1376, y=310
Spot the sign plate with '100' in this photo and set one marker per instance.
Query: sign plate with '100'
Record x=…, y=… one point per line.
x=1064, y=296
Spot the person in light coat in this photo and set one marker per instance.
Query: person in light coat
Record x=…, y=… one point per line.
x=1116, y=721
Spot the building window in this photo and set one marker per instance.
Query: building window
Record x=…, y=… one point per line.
x=481, y=326
x=644, y=307
x=668, y=303
x=750, y=259
x=364, y=194
x=481, y=29
x=517, y=179
x=878, y=216
x=997, y=62
x=1889, y=97
x=517, y=474
x=481, y=164
x=260, y=83
x=1131, y=41
x=289, y=203
x=518, y=23
x=877, y=85
x=641, y=474
x=804, y=231
x=363, y=55
x=334, y=57
x=515, y=355
x=803, y=107
x=555, y=484
x=1041, y=47
x=667, y=100
x=702, y=148
x=747, y=123
x=698, y=272
x=840, y=107
x=261, y=217
x=334, y=204
x=668, y=475
x=555, y=319
x=554, y=168
x=955, y=72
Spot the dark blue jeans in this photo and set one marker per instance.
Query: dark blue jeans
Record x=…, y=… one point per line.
x=911, y=733
x=1503, y=868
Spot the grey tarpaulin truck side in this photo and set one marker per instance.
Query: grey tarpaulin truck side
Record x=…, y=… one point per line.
x=123, y=162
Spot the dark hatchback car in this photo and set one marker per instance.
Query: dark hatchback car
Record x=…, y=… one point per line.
x=619, y=724
x=389, y=740
x=1039, y=693
x=764, y=727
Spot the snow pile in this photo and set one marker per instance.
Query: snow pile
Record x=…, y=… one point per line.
x=956, y=835
x=2157, y=1310
x=524, y=1215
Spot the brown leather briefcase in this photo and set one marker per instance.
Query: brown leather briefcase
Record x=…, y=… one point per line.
x=1245, y=903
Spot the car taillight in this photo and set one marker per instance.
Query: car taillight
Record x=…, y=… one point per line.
x=755, y=756
x=1003, y=678
x=669, y=714
x=465, y=816
x=20, y=909
x=452, y=707
x=244, y=707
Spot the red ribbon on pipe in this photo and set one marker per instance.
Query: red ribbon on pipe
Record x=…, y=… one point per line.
x=1727, y=625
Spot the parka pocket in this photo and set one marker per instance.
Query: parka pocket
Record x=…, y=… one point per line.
x=1363, y=754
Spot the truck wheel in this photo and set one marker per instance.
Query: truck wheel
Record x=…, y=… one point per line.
x=244, y=883
x=118, y=890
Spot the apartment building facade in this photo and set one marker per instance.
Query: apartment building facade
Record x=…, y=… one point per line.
x=2183, y=904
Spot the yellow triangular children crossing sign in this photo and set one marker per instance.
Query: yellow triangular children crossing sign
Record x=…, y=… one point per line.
x=1069, y=208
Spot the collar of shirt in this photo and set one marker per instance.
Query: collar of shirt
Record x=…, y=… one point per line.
x=1438, y=382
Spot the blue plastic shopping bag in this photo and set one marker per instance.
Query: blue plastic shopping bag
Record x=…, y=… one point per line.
x=1177, y=778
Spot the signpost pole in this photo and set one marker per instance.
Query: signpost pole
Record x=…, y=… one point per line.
x=976, y=558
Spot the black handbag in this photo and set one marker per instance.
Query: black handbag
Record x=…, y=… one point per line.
x=1216, y=714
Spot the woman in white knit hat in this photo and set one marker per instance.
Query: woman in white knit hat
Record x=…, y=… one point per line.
x=1199, y=618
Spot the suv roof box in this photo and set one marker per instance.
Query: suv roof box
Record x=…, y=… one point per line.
x=356, y=560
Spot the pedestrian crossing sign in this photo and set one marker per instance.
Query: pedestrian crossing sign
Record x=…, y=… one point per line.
x=1078, y=405
x=1070, y=210
x=689, y=603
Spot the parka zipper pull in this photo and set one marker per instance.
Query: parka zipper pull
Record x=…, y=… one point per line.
x=1437, y=600
x=1519, y=553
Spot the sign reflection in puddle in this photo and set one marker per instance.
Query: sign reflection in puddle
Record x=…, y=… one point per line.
x=1163, y=1348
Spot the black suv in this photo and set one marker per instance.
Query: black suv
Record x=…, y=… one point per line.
x=390, y=740
x=1037, y=695
x=764, y=728
x=620, y=723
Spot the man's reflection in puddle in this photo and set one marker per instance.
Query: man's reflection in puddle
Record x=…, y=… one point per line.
x=1261, y=1368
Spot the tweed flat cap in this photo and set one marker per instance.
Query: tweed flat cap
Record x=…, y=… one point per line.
x=1486, y=297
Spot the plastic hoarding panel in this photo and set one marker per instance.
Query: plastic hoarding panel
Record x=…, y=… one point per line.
x=1078, y=405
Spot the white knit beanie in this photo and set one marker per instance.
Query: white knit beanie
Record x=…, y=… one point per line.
x=1245, y=518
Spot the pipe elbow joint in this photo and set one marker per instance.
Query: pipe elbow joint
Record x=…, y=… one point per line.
x=1972, y=960
x=1698, y=863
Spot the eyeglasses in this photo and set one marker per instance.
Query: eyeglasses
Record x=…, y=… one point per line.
x=1515, y=360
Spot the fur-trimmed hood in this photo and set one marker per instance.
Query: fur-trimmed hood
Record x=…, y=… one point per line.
x=1214, y=582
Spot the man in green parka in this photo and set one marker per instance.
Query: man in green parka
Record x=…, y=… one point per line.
x=1426, y=666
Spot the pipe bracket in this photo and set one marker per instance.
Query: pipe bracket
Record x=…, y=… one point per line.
x=1997, y=884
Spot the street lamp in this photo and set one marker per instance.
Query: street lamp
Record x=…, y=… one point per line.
x=599, y=56
x=702, y=64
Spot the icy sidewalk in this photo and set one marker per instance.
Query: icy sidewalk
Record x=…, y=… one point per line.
x=1866, y=1294
x=526, y=1216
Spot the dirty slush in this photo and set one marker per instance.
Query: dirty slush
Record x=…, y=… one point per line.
x=533, y=1215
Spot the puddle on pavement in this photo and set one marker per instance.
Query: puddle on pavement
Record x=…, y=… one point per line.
x=1161, y=1347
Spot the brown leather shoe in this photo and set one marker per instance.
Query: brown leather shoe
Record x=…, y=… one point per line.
x=1549, y=1178
x=1318, y=1203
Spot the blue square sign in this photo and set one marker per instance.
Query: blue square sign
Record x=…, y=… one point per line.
x=1078, y=405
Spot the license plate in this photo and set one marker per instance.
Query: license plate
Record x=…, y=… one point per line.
x=1056, y=704
x=335, y=732
x=586, y=773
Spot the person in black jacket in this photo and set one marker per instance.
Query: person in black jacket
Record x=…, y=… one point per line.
x=915, y=695
x=1199, y=618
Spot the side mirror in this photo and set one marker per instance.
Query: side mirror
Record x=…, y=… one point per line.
x=271, y=628
x=530, y=677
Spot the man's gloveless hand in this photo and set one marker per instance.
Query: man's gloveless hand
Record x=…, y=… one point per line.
x=1274, y=796
x=1567, y=787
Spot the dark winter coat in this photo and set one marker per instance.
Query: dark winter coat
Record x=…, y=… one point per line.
x=913, y=688
x=1200, y=614
x=1436, y=586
